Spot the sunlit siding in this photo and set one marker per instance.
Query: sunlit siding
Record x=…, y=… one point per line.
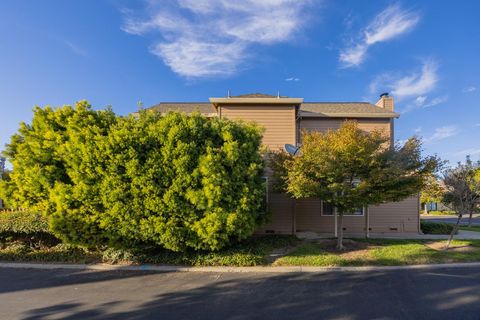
x=278, y=122
x=402, y=216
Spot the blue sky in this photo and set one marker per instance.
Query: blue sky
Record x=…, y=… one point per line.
x=426, y=54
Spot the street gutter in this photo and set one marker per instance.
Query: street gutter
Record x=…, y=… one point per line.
x=256, y=269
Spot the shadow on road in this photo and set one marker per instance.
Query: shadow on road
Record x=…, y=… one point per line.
x=412, y=294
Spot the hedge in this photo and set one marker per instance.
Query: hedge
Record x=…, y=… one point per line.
x=436, y=227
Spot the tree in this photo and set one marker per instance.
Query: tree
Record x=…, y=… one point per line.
x=463, y=191
x=174, y=181
x=432, y=191
x=350, y=169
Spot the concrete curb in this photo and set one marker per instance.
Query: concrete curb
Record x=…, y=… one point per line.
x=257, y=269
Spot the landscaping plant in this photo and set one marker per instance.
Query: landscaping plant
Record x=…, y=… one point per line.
x=176, y=181
x=349, y=169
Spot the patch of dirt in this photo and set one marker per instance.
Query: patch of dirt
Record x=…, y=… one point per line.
x=440, y=246
x=352, y=249
x=278, y=253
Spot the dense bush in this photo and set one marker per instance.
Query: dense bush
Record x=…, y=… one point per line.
x=26, y=226
x=174, y=181
x=436, y=227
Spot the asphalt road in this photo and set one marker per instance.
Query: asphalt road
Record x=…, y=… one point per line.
x=407, y=294
x=452, y=219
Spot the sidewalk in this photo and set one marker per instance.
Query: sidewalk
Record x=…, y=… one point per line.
x=462, y=235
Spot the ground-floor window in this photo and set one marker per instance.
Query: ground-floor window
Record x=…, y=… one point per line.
x=327, y=210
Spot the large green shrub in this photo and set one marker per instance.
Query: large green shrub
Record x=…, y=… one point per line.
x=176, y=181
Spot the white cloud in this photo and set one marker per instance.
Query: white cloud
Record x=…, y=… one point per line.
x=467, y=152
x=292, y=79
x=436, y=101
x=469, y=89
x=388, y=24
x=411, y=89
x=417, y=83
x=442, y=133
x=213, y=38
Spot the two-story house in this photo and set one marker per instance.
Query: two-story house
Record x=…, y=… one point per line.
x=284, y=119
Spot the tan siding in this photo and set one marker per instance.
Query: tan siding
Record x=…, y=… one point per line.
x=278, y=122
x=309, y=218
x=324, y=124
x=281, y=207
x=403, y=215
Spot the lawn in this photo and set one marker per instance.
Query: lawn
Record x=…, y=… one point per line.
x=472, y=228
x=384, y=252
x=439, y=213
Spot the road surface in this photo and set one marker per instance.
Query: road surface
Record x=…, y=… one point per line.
x=406, y=294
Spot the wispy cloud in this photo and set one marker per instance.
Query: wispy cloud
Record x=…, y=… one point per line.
x=388, y=24
x=292, y=79
x=214, y=38
x=417, y=83
x=441, y=134
x=469, y=89
x=411, y=89
x=467, y=152
x=76, y=49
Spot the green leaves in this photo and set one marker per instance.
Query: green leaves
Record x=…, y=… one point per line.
x=349, y=168
x=175, y=181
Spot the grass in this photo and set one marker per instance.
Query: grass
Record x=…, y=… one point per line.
x=440, y=213
x=381, y=252
x=471, y=228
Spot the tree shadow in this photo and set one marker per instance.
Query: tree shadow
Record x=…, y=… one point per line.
x=408, y=294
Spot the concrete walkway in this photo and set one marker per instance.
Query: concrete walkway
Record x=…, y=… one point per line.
x=462, y=235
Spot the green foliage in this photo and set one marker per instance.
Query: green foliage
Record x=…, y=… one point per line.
x=25, y=222
x=441, y=213
x=176, y=181
x=349, y=168
x=436, y=227
x=432, y=190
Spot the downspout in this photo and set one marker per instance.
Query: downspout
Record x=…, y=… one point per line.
x=336, y=227
x=367, y=222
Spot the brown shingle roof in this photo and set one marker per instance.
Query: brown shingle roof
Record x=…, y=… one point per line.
x=307, y=109
x=342, y=109
x=187, y=107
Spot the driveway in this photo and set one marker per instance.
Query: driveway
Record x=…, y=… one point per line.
x=400, y=294
x=452, y=219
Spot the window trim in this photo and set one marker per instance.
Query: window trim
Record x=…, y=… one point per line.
x=345, y=215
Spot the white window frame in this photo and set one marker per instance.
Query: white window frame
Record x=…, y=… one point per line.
x=345, y=214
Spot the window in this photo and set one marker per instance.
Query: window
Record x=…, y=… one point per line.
x=327, y=210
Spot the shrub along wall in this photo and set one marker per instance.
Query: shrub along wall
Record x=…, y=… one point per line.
x=174, y=181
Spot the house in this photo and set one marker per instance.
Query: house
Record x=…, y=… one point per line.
x=284, y=119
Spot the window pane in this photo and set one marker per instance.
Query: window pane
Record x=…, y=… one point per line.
x=327, y=209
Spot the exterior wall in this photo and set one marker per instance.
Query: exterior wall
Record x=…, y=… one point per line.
x=278, y=121
x=309, y=217
x=402, y=216
x=282, y=222
x=325, y=124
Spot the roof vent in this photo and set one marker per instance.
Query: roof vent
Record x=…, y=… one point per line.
x=385, y=94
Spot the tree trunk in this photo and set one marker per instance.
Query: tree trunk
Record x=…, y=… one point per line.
x=340, y=232
x=470, y=219
x=425, y=211
x=454, y=231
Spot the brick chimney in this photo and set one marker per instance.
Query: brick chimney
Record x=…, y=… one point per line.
x=385, y=102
